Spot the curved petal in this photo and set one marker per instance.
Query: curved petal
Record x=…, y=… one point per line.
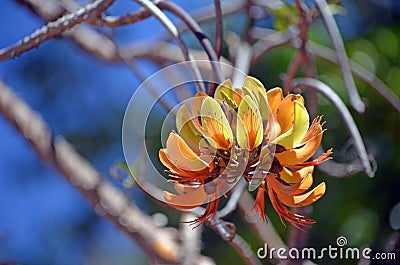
x=249, y=126
x=295, y=219
x=180, y=154
x=226, y=87
x=167, y=163
x=187, y=198
x=300, y=123
x=295, y=176
x=305, y=198
x=224, y=92
x=285, y=111
x=215, y=124
x=258, y=90
x=187, y=129
x=254, y=85
x=306, y=151
x=237, y=96
x=196, y=102
x=274, y=97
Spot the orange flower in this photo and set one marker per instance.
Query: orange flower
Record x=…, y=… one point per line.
x=247, y=132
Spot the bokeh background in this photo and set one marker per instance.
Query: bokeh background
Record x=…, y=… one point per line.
x=44, y=220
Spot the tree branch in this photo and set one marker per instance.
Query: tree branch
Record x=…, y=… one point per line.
x=156, y=242
x=198, y=32
x=368, y=77
x=326, y=91
x=337, y=40
x=55, y=28
x=219, y=27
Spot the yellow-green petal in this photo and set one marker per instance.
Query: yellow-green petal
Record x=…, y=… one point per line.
x=249, y=124
x=293, y=137
x=224, y=87
x=215, y=124
x=187, y=129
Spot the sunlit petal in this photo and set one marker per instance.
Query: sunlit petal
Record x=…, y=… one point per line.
x=180, y=154
x=305, y=198
x=224, y=92
x=216, y=126
x=285, y=111
x=274, y=97
x=295, y=176
x=260, y=95
x=187, y=197
x=300, y=123
x=187, y=129
x=301, y=154
x=249, y=124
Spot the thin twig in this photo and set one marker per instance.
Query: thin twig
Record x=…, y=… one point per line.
x=271, y=40
x=157, y=13
x=118, y=21
x=191, y=240
x=340, y=170
x=293, y=69
x=336, y=101
x=233, y=199
x=198, y=32
x=83, y=35
x=228, y=232
x=243, y=248
x=242, y=63
x=207, y=13
x=337, y=41
x=265, y=231
x=108, y=201
x=219, y=27
x=55, y=28
x=368, y=77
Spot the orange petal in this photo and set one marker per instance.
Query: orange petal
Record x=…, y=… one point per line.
x=237, y=96
x=249, y=130
x=305, y=198
x=167, y=163
x=299, y=155
x=285, y=111
x=187, y=129
x=192, y=198
x=295, y=176
x=274, y=97
x=182, y=175
x=180, y=154
x=216, y=127
x=259, y=204
x=196, y=103
x=295, y=219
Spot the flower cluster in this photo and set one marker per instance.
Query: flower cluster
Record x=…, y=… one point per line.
x=252, y=133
